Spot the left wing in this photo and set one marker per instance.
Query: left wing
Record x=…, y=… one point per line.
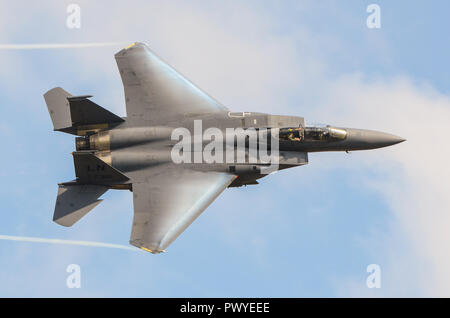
x=156, y=92
x=167, y=199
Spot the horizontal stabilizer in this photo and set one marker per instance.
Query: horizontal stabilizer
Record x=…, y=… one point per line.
x=77, y=114
x=58, y=107
x=75, y=201
x=92, y=170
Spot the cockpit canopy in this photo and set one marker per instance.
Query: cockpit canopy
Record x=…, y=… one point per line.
x=306, y=134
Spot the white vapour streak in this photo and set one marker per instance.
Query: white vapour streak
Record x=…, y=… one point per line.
x=56, y=45
x=67, y=242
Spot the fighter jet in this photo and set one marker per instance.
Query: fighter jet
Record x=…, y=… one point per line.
x=173, y=150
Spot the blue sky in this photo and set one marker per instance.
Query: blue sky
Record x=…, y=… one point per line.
x=308, y=231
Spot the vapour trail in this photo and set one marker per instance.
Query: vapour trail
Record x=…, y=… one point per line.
x=56, y=45
x=66, y=242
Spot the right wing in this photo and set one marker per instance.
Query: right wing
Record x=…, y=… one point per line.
x=156, y=92
x=167, y=199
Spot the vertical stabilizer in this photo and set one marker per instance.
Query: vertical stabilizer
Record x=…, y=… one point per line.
x=77, y=114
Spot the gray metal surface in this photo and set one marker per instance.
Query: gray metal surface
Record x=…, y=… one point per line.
x=155, y=92
x=90, y=169
x=85, y=112
x=75, y=201
x=167, y=199
x=134, y=153
x=58, y=107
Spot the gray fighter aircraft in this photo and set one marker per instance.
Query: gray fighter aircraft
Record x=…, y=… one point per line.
x=136, y=152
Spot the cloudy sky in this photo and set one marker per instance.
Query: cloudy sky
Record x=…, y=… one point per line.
x=308, y=231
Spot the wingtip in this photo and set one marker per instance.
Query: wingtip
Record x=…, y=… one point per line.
x=140, y=246
x=152, y=251
x=136, y=44
x=130, y=47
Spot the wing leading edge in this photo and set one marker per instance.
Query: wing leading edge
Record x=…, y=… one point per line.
x=167, y=200
x=156, y=92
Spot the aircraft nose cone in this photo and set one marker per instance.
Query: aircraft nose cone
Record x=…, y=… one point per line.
x=392, y=139
x=371, y=139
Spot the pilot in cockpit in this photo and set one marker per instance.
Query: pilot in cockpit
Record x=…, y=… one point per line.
x=295, y=134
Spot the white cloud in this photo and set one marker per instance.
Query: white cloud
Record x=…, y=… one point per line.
x=419, y=179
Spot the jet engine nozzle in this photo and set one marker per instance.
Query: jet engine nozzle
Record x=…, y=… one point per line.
x=100, y=141
x=82, y=143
